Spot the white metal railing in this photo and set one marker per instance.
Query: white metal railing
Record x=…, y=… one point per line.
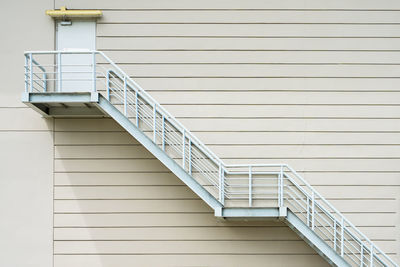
x=256, y=185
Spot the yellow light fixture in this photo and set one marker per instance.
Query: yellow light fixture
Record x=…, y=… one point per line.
x=63, y=12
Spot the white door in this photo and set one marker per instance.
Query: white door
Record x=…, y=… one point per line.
x=76, y=70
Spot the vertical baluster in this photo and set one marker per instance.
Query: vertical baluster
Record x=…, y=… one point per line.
x=342, y=238
x=250, y=186
x=59, y=72
x=190, y=156
x=280, y=190
x=137, y=108
x=108, y=85
x=31, y=72
x=308, y=211
x=94, y=71
x=334, y=234
x=221, y=179
x=313, y=210
x=154, y=124
x=125, y=97
x=44, y=82
x=183, y=150
x=163, y=133
x=26, y=73
x=372, y=255
x=362, y=255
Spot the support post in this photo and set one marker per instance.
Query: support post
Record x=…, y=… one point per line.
x=313, y=210
x=250, y=186
x=26, y=74
x=280, y=190
x=137, y=107
x=59, y=72
x=372, y=255
x=108, y=85
x=342, y=238
x=125, y=97
x=362, y=255
x=183, y=149
x=94, y=71
x=308, y=211
x=163, y=133
x=221, y=179
x=155, y=123
x=334, y=234
x=30, y=72
x=190, y=156
x=44, y=82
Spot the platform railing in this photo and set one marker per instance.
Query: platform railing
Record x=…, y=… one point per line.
x=235, y=185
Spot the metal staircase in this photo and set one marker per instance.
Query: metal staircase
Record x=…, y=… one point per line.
x=88, y=83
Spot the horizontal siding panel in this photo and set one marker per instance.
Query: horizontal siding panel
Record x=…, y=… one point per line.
x=248, y=16
x=352, y=178
x=190, y=247
x=238, y=138
x=231, y=4
x=248, y=151
x=249, y=125
x=189, y=260
x=197, y=233
x=314, y=178
x=181, y=247
x=243, y=30
x=85, y=138
x=279, y=98
x=123, y=206
x=137, y=151
x=93, y=125
x=138, y=165
x=183, y=192
x=178, y=219
x=274, y=84
x=187, y=233
x=254, y=57
x=115, y=206
x=348, y=125
x=258, y=70
x=97, y=179
x=283, y=111
x=124, y=192
x=281, y=44
x=153, y=165
x=147, y=220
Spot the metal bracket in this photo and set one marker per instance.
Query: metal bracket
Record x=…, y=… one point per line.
x=218, y=212
x=282, y=213
x=25, y=97
x=94, y=97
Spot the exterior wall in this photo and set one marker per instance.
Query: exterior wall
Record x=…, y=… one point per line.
x=314, y=85
x=26, y=142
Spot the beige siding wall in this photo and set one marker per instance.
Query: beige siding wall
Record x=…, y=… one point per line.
x=26, y=142
x=314, y=84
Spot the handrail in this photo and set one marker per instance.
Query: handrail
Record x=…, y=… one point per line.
x=219, y=174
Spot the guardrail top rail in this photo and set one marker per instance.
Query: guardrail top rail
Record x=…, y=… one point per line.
x=251, y=185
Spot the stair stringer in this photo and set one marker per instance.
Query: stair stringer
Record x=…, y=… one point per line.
x=109, y=109
x=314, y=241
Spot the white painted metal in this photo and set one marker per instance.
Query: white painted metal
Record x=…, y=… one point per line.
x=255, y=185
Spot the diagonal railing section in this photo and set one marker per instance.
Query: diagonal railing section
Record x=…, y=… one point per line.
x=250, y=186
